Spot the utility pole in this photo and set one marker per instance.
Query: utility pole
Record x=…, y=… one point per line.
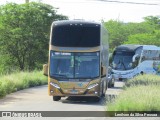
x=27, y=1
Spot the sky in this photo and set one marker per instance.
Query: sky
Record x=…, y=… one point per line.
x=97, y=10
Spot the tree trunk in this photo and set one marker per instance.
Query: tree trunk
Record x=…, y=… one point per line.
x=27, y=1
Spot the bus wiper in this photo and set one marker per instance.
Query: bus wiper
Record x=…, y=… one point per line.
x=86, y=77
x=59, y=75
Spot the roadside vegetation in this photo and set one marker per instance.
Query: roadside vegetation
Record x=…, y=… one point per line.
x=24, y=36
x=140, y=94
x=21, y=80
x=147, y=79
x=24, y=39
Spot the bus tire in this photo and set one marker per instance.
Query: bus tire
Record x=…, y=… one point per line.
x=112, y=85
x=56, y=98
x=103, y=93
x=97, y=99
x=109, y=84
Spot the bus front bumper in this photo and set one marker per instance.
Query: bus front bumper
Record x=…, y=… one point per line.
x=121, y=77
x=92, y=90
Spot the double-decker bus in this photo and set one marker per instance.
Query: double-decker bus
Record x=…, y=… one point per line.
x=78, y=59
x=128, y=61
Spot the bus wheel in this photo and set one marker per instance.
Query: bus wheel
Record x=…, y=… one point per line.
x=110, y=84
x=103, y=92
x=107, y=84
x=56, y=98
x=97, y=99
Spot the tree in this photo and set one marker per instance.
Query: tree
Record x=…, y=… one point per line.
x=24, y=35
x=116, y=33
x=145, y=38
x=27, y=1
x=153, y=20
x=149, y=37
x=120, y=32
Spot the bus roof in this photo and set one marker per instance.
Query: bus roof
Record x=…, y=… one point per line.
x=150, y=47
x=131, y=47
x=75, y=22
x=76, y=33
x=128, y=48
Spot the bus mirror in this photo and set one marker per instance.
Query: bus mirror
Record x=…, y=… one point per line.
x=103, y=71
x=110, y=58
x=135, y=57
x=45, y=69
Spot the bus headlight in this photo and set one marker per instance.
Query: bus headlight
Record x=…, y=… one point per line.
x=92, y=85
x=55, y=85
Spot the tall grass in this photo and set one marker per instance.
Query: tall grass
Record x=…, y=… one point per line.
x=137, y=98
x=147, y=79
x=141, y=93
x=18, y=81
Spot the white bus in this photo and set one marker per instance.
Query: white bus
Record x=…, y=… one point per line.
x=128, y=61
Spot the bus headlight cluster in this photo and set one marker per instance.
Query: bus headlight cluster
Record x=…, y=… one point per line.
x=55, y=85
x=92, y=85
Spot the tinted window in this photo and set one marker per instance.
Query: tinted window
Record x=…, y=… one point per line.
x=122, y=60
x=76, y=35
x=74, y=65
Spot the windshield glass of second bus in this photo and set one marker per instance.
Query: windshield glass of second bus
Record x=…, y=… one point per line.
x=74, y=65
x=122, y=60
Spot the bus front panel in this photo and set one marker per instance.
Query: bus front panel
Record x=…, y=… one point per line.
x=74, y=88
x=74, y=73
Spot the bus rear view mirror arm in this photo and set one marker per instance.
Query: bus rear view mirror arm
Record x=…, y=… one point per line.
x=135, y=57
x=45, y=69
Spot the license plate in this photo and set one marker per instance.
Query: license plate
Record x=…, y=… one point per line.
x=74, y=92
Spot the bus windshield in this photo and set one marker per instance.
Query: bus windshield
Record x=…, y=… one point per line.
x=74, y=65
x=76, y=36
x=122, y=60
